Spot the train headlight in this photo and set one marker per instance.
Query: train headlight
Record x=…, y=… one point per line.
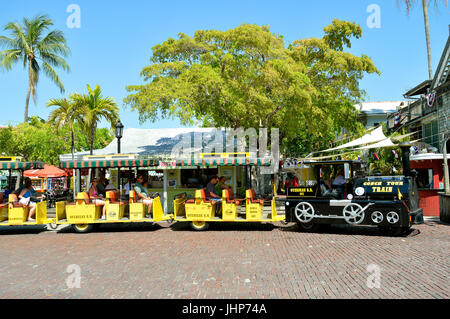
x=359, y=191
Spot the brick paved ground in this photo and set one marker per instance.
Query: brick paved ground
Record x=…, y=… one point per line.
x=228, y=261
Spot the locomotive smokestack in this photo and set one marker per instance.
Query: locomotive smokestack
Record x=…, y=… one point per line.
x=405, y=146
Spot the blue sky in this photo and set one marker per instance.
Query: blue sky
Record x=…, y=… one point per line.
x=115, y=40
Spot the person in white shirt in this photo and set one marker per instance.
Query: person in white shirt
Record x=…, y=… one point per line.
x=339, y=182
x=128, y=186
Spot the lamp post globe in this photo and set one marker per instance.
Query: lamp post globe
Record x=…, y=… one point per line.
x=119, y=134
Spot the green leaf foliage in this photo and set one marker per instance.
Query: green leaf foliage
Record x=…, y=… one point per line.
x=38, y=48
x=248, y=77
x=38, y=140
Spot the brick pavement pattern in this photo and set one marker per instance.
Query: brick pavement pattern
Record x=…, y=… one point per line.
x=227, y=261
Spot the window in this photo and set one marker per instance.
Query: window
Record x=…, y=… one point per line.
x=425, y=178
x=430, y=134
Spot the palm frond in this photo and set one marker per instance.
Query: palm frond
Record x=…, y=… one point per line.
x=54, y=60
x=51, y=73
x=19, y=36
x=8, y=58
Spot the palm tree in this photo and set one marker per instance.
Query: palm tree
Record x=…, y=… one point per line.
x=66, y=114
x=30, y=44
x=409, y=5
x=94, y=107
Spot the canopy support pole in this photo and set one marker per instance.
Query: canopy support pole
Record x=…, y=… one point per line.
x=165, y=183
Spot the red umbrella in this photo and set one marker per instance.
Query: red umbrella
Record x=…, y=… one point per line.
x=49, y=171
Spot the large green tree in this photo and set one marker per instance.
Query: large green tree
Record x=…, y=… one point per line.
x=30, y=43
x=94, y=107
x=248, y=77
x=66, y=114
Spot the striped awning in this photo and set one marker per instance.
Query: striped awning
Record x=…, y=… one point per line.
x=21, y=165
x=224, y=162
x=109, y=163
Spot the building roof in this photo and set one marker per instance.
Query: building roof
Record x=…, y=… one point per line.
x=422, y=88
x=382, y=107
x=160, y=143
x=144, y=142
x=443, y=69
x=439, y=78
x=427, y=156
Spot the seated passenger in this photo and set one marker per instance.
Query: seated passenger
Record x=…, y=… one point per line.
x=142, y=194
x=291, y=181
x=211, y=190
x=339, y=182
x=25, y=199
x=220, y=186
x=97, y=198
x=110, y=187
x=101, y=184
x=128, y=186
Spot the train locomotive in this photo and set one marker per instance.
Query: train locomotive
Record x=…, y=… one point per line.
x=389, y=202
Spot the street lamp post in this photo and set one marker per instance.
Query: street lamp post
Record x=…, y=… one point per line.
x=119, y=134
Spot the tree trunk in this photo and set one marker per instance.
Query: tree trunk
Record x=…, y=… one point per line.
x=73, y=145
x=27, y=102
x=427, y=35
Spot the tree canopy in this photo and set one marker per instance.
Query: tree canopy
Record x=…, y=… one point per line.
x=38, y=50
x=38, y=140
x=248, y=77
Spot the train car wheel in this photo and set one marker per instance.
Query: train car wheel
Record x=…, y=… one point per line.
x=304, y=212
x=199, y=225
x=83, y=228
x=52, y=226
x=308, y=227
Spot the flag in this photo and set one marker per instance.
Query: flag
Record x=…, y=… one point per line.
x=397, y=118
x=431, y=98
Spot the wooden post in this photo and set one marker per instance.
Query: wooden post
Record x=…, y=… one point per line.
x=446, y=174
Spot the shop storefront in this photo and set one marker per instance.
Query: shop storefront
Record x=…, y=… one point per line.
x=430, y=179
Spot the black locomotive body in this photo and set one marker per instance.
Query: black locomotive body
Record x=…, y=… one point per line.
x=389, y=202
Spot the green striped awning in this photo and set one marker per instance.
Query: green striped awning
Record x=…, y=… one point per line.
x=225, y=162
x=21, y=165
x=109, y=163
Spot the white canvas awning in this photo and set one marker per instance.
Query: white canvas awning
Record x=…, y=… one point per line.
x=374, y=136
x=384, y=143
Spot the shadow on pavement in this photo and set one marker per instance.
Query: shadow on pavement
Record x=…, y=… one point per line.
x=117, y=228
x=434, y=221
x=22, y=230
x=226, y=226
x=351, y=230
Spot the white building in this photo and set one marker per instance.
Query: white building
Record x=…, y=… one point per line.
x=375, y=113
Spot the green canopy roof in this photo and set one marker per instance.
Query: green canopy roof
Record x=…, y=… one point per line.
x=109, y=163
x=157, y=164
x=21, y=165
x=206, y=162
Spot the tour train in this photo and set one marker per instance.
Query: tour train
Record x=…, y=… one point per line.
x=304, y=197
